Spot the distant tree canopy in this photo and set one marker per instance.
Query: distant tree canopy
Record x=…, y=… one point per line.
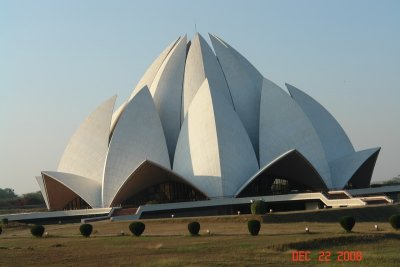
x=7, y=193
x=34, y=198
x=8, y=198
x=393, y=181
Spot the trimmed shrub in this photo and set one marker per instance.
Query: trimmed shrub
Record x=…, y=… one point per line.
x=37, y=230
x=194, y=228
x=254, y=227
x=1, y=230
x=395, y=221
x=4, y=221
x=347, y=223
x=137, y=228
x=258, y=207
x=86, y=229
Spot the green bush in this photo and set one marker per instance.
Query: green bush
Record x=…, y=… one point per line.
x=194, y=228
x=37, y=230
x=86, y=229
x=137, y=228
x=347, y=222
x=254, y=227
x=395, y=221
x=258, y=207
x=4, y=221
x=1, y=230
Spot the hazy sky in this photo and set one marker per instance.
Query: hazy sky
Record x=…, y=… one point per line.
x=60, y=59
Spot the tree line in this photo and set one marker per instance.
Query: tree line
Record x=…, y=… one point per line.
x=392, y=181
x=8, y=198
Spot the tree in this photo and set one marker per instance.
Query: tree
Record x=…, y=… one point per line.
x=258, y=207
x=137, y=228
x=254, y=227
x=194, y=228
x=394, y=180
x=8, y=198
x=7, y=193
x=34, y=198
x=86, y=229
x=347, y=223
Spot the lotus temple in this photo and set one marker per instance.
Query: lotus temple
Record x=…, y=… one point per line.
x=204, y=132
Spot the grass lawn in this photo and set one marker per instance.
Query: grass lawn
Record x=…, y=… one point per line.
x=167, y=243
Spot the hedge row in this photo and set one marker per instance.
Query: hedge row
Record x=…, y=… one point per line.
x=254, y=226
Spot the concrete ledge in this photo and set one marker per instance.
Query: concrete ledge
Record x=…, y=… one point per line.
x=373, y=213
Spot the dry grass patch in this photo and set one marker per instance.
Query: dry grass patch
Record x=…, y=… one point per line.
x=168, y=243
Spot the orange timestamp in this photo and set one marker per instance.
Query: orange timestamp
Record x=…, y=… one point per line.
x=327, y=256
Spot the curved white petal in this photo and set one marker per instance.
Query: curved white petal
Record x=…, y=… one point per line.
x=138, y=136
x=290, y=165
x=214, y=151
x=166, y=90
x=63, y=187
x=146, y=80
x=244, y=88
x=115, y=117
x=86, y=151
x=284, y=126
x=146, y=175
x=345, y=168
x=40, y=181
x=251, y=71
x=201, y=63
x=333, y=138
x=148, y=77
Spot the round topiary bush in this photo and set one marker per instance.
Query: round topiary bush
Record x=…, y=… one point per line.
x=258, y=207
x=4, y=221
x=86, y=229
x=194, y=228
x=395, y=221
x=254, y=227
x=137, y=228
x=347, y=223
x=37, y=230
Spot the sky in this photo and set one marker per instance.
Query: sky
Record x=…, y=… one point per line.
x=60, y=59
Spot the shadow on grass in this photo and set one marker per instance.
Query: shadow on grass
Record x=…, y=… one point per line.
x=335, y=241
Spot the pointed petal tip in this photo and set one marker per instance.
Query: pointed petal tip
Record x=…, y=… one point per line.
x=201, y=38
x=292, y=89
x=289, y=85
x=374, y=149
x=213, y=37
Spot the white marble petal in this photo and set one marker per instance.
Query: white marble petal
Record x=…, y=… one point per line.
x=214, y=152
x=245, y=90
x=284, y=126
x=115, y=116
x=344, y=168
x=88, y=189
x=201, y=63
x=40, y=181
x=138, y=136
x=333, y=138
x=86, y=151
x=166, y=90
x=148, y=77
